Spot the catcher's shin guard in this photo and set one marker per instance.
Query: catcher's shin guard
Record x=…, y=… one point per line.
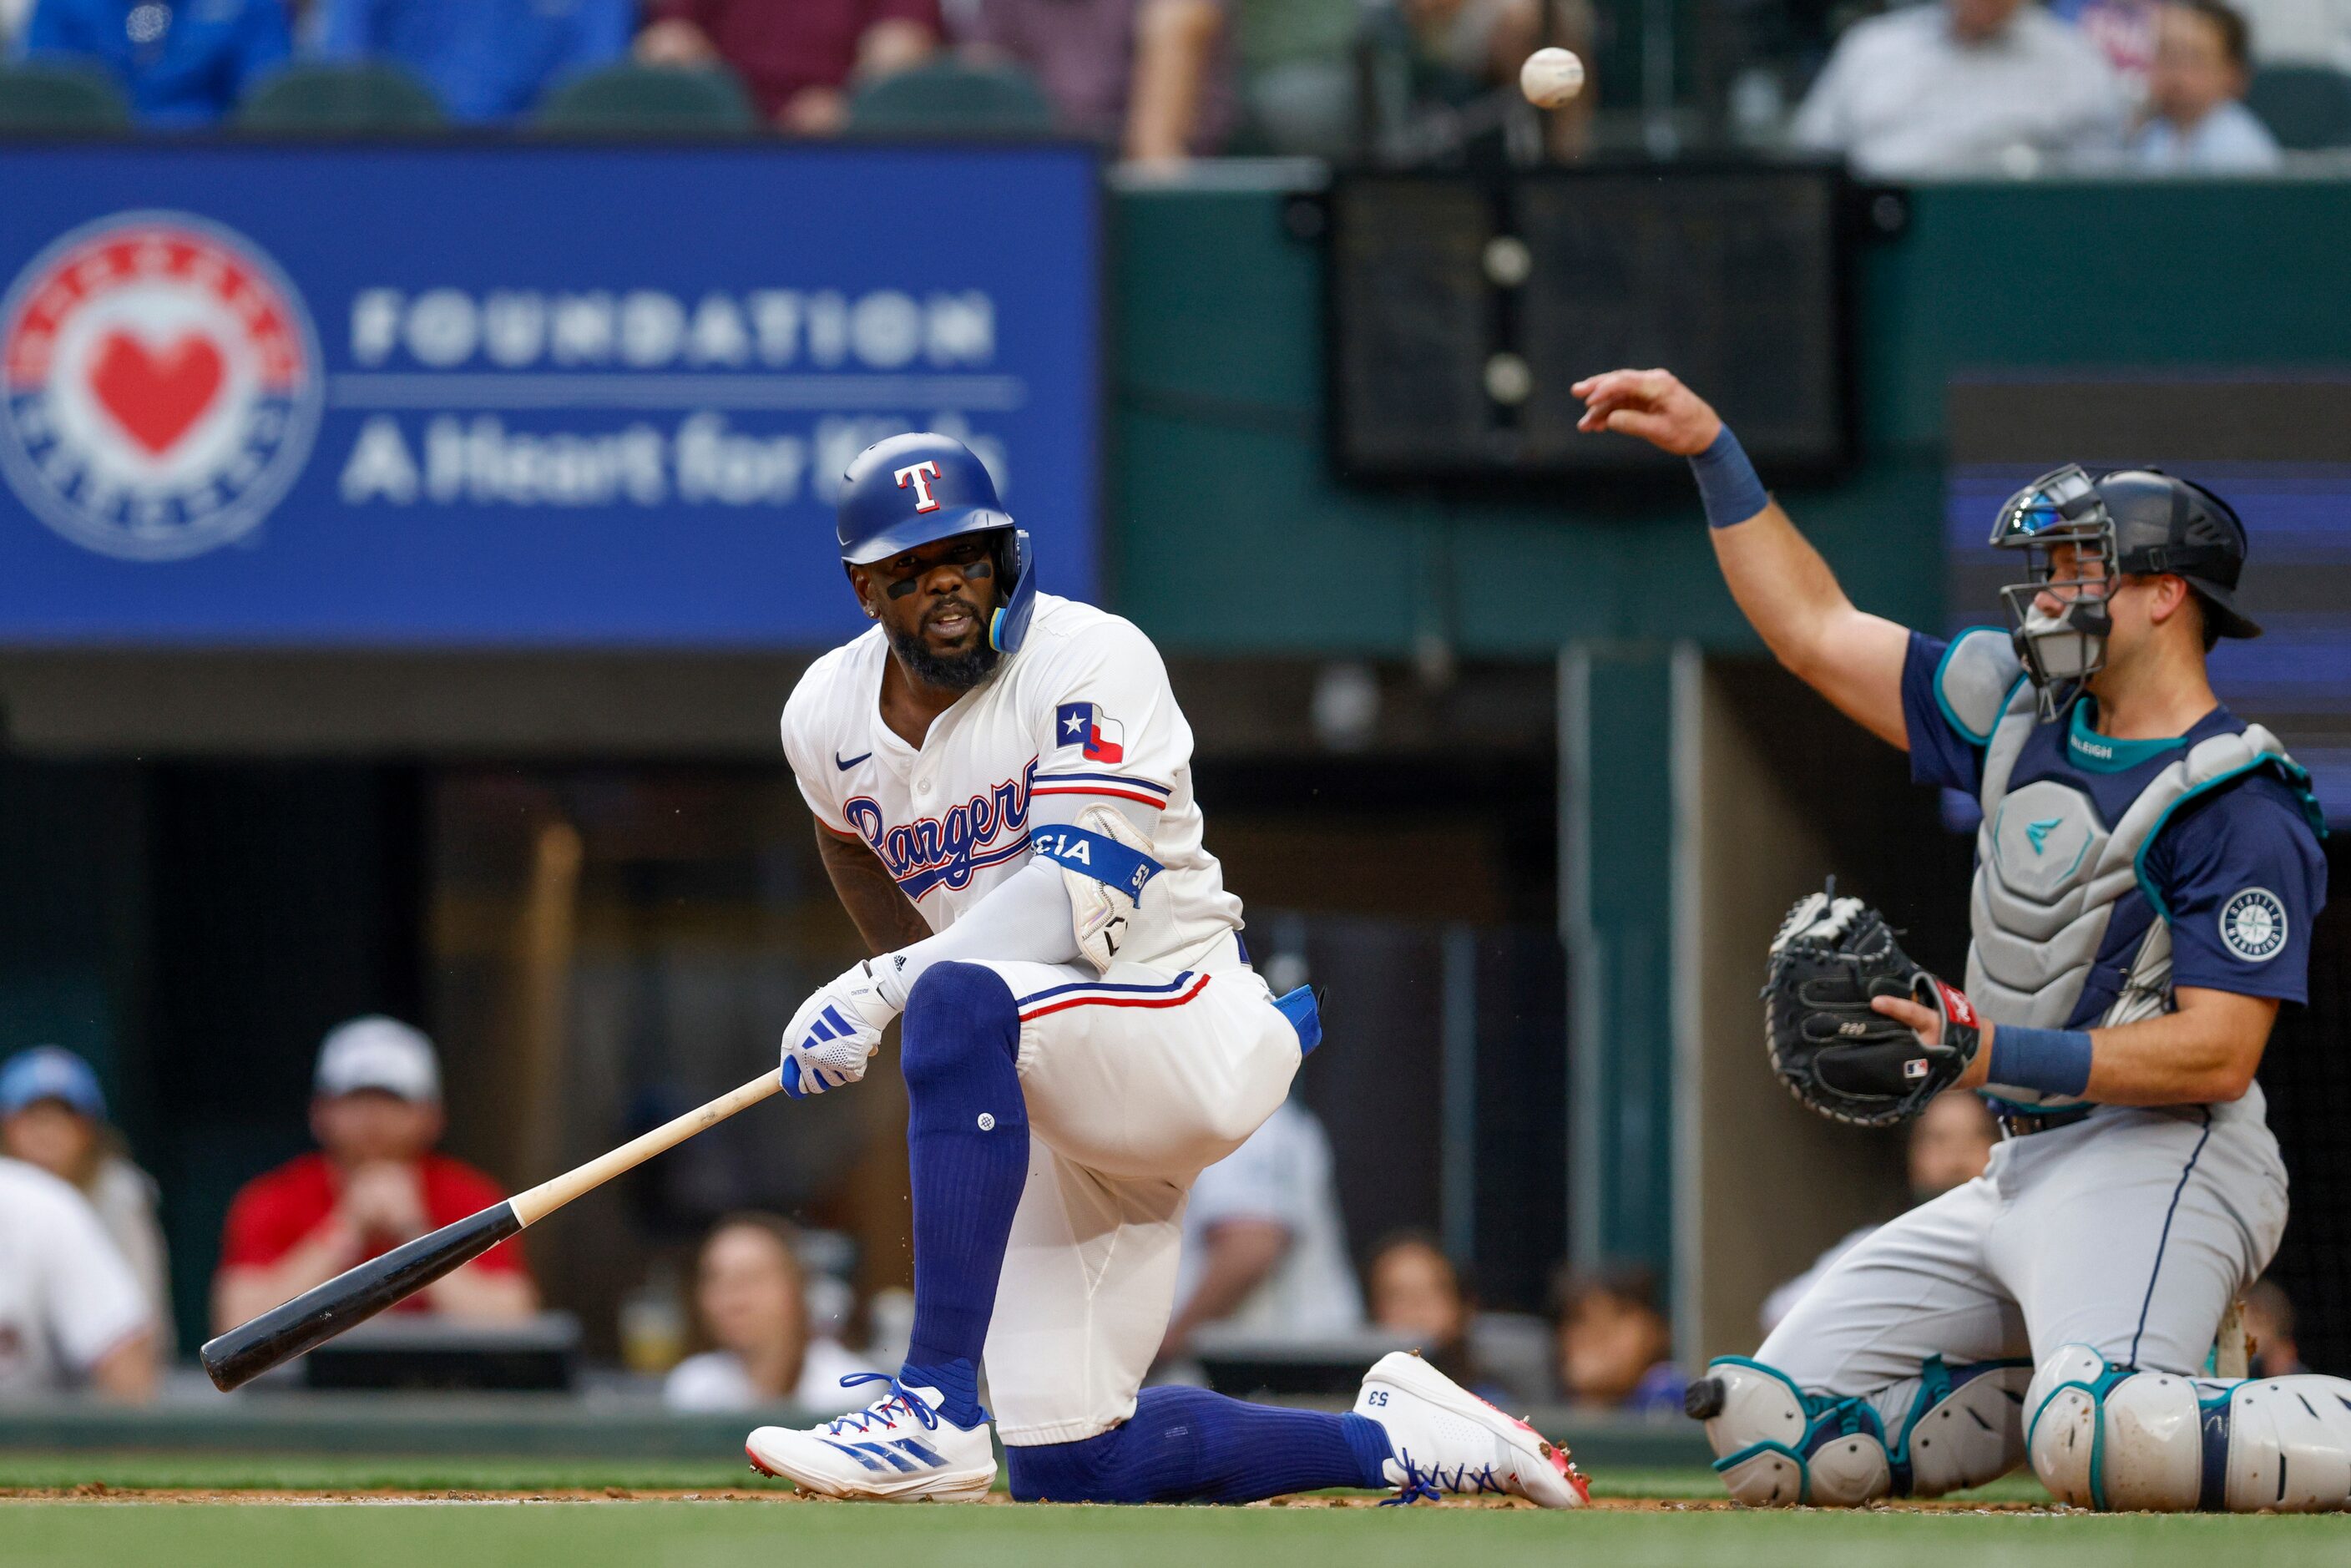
x=2288, y=1445
x=2109, y=1438
x=1777, y=1446
x=1965, y=1427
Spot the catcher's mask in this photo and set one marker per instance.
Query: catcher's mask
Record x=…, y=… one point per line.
x=2132, y=522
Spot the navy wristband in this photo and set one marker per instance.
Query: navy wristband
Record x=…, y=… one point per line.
x=1727, y=481
x=2053, y=1061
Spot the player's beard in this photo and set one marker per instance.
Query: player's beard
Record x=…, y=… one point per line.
x=949, y=672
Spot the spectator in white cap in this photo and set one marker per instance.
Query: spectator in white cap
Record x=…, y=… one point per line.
x=376, y=1181
x=53, y=1115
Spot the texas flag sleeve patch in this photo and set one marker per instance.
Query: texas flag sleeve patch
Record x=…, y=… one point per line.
x=1084, y=724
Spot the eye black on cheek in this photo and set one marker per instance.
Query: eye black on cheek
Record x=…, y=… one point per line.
x=978, y=571
x=900, y=589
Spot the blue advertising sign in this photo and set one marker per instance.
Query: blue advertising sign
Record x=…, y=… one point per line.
x=488, y=395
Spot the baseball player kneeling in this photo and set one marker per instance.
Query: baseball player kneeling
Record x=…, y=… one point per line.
x=1002, y=786
x=2147, y=874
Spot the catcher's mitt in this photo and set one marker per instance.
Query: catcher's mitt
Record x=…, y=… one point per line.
x=1833, y=1052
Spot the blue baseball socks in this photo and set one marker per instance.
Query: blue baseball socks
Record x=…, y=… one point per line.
x=967, y=1143
x=1187, y=1445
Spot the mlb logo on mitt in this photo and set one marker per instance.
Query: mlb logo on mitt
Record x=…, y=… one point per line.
x=1915, y=1069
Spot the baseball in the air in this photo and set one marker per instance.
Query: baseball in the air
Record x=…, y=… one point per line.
x=1551, y=78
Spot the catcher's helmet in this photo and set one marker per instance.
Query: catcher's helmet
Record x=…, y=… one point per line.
x=921, y=487
x=2134, y=521
x=2163, y=523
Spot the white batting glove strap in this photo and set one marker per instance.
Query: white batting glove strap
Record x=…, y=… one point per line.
x=837, y=1030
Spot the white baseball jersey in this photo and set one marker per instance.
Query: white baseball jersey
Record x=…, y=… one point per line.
x=67, y=1296
x=1083, y=709
x=1134, y=1079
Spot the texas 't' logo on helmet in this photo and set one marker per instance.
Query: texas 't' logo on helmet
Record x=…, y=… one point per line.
x=159, y=386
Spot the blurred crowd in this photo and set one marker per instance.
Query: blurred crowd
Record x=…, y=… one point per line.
x=769, y=1313
x=1990, y=87
x=85, y=1298
x=1923, y=88
x=1151, y=80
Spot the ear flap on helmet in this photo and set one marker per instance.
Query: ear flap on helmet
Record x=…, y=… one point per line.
x=1010, y=624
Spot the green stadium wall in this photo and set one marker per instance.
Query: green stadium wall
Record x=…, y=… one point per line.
x=1229, y=535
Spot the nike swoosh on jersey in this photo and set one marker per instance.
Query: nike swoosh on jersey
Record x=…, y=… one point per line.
x=852, y=762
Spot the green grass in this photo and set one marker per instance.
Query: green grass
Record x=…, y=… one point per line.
x=74, y=1534
x=721, y=1535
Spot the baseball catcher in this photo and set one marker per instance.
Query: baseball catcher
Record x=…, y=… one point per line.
x=2146, y=874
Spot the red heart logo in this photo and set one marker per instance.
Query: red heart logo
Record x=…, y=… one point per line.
x=155, y=397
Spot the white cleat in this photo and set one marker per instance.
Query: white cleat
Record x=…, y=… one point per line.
x=897, y=1449
x=1448, y=1440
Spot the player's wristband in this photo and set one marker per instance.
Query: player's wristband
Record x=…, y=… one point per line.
x=1727, y=481
x=2053, y=1061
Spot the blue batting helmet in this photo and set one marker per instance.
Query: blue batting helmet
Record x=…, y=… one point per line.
x=919, y=488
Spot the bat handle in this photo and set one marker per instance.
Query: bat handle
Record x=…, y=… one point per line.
x=353, y=1296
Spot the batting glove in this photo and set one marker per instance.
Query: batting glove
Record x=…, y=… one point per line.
x=837, y=1030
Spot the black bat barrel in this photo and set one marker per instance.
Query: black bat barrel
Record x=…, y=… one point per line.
x=353, y=1296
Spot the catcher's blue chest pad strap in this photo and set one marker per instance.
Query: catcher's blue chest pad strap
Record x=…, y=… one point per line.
x=1097, y=855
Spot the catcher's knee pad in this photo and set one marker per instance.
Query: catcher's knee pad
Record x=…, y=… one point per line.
x=2111, y=1438
x=1775, y=1443
x=2107, y=1436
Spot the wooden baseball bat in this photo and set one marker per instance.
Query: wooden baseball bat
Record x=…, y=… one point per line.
x=357, y=1294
